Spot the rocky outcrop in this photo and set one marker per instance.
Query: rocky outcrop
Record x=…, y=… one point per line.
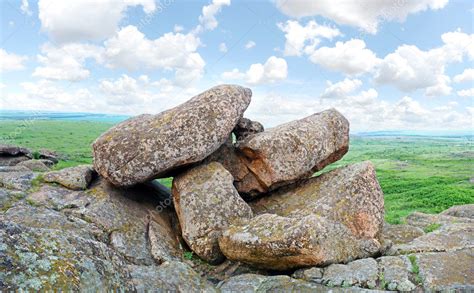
x=246, y=127
x=16, y=177
x=292, y=151
x=75, y=178
x=206, y=203
x=34, y=165
x=403, y=233
x=463, y=211
x=11, y=155
x=151, y=146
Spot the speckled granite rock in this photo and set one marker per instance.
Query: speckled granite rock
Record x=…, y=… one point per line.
x=282, y=243
x=206, y=202
x=463, y=211
x=422, y=220
x=150, y=146
x=11, y=155
x=34, y=165
x=16, y=177
x=294, y=150
x=246, y=127
x=349, y=195
x=394, y=273
x=74, y=178
x=361, y=273
x=401, y=233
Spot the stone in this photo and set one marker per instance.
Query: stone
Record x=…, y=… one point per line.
x=9, y=197
x=12, y=161
x=34, y=165
x=47, y=162
x=10, y=150
x=152, y=146
x=424, y=221
x=16, y=178
x=291, y=151
x=394, y=273
x=246, y=127
x=402, y=233
x=447, y=271
x=49, y=155
x=349, y=195
x=360, y=273
x=74, y=178
x=207, y=202
x=448, y=237
x=282, y=243
x=463, y=211
x=314, y=275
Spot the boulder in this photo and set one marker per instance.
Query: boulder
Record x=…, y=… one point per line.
x=432, y=221
x=12, y=161
x=74, y=178
x=281, y=155
x=206, y=202
x=34, y=165
x=361, y=273
x=11, y=151
x=152, y=146
x=246, y=127
x=49, y=155
x=394, y=273
x=401, y=233
x=281, y=243
x=16, y=177
x=349, y=195
x=463, y=211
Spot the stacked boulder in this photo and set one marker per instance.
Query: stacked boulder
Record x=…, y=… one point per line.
x=247, y=194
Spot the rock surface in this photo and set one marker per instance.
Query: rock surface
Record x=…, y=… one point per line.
x=75, y=178
x=34, y=165
x=294, y=150
x=150, y=146
x=246, y=127
x=11, y=150
x=463, y=211
x=16, y=177
x=361, y=273
x=206, y=202
x=401, y=233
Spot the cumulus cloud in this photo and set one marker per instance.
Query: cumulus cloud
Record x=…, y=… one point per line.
x=25, y=7
x=11, y=61
x=274, y=69
x=365, y=14
x=130, y=49
x=351, y=57
x=305, y=38
x=126, y=90
x=250, y=45
x=465, y=76
x=66, y=62
x=207, y=19
x=71, y=21
x=466, y=93
x=341, y=89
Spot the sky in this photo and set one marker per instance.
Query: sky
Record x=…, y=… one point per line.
x=386, y=65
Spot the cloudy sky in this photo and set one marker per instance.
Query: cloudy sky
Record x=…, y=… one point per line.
x=385, y=64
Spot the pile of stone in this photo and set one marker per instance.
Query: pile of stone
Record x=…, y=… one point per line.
x=247, y=194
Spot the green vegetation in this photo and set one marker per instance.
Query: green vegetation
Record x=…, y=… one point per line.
x=415, y=269
x=431, y=227
x=423, y=174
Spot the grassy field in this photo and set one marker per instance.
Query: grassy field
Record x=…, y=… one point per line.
x=416, y=173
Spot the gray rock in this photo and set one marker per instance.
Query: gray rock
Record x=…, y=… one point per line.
x=57, y=198
x=16, y=177
x=34, y=165
x=47, y=162
x=49, y=155
x=399, y=234
x=11, y=150
x=74, y=178
x=12, y=161
x=292, y=151
x=281, y=243
x=447, y=271
x=423, y=221
x=463, y=211
x=207, y=202
x=361, y=273
x=151, y=146
x=9, y=197
x=395, y=273
x=314, y=275
x=246, y=127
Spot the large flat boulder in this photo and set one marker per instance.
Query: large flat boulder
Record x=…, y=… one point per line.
x=207, y=202
x=75, y=178
x=291, y=151
x=151, y=146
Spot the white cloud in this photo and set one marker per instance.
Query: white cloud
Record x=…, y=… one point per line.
x=365, y=14
x=351, y=57
x=342, y=89
x=71, y=21
x=11, y=61
x=466, y=93
x=466, y=75
x=409, y=68
x=208, y=19
x=250, y=45
x=66, y=62
x=126, y=90
x=223, y=47
x=130, y=49
x=178, y=28
x=275, y=69
x=25, y=7
x=301, y=39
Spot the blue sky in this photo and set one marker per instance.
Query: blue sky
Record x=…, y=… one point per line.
x=384, y=64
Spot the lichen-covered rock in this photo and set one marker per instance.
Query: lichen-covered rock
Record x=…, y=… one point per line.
x=206, y=202
x=463, y=211
x=361, y=273
x=424, y=221
x=11, y=150
x=313, y=274
x=246, y=127
x=401, y=233
x=49, y=155
x=281, y=243
x=34, y=165
x=294, y=150
x=447, y=271
x=394, y=273
x=74, y=178
x=349, y=195
x=16, y=177
x=150, y=146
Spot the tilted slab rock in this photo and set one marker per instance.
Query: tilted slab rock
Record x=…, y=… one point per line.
x=75, y=178
x=11, y=150
x=281, y=243
x=206, y=202
x=350, y=195
x=150, y=146
x=402, y=233
x=294, y=150
x=34, y=165
x=462, y=211
x=16, y=177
